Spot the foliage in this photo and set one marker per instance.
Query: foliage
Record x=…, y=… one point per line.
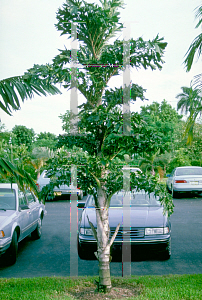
x=45, y=139
x=164, y=122
x=195, y=49
x=90, y=174
x=39, y=156
x=180, y=158
x=23, y=136
x=17, y=88
x=190, y=102
x=17, y=174
x=67, y=118
x=196, y=45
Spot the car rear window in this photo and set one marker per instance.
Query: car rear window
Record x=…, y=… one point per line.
x=189, y=171
x=7, y=199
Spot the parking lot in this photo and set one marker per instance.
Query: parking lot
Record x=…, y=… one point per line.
x=50, y=255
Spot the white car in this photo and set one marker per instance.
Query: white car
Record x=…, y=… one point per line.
x=185, y=179
x=62, y=189
x=21, y=214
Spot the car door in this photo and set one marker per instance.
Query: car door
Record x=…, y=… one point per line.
x=24, y=216
x=34, y=209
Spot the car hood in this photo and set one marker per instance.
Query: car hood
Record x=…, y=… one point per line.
x=139, y=216
x=4, y=215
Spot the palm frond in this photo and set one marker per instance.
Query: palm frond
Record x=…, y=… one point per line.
x=17, y=175
x=17, y=88
x=196, y=46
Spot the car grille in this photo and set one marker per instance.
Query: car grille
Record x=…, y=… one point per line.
x=128, y=233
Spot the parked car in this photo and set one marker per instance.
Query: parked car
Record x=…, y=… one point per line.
x=185, y=179
x=62, y=189
x=150, y=229
x=21, y=214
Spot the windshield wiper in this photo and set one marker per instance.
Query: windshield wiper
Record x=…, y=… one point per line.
x=3, y=209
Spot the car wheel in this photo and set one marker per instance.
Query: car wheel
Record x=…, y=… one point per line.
x=36, y=234
x=13, y=249
x=174, y=194
x=169, y=191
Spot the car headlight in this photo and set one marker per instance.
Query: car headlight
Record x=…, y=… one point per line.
x=86, y=231
x=2, y=234
x=159, y=230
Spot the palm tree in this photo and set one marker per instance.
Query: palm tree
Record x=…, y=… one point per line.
x=12, y=90
x=190, y=102
x=195, y=48
x=39, y=157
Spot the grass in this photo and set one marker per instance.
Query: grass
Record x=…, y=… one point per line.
x=172, y=287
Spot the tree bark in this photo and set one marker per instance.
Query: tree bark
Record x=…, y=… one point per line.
x=103, y=246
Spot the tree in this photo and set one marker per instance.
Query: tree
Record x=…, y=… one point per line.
x=39, y=156
x=190, y=102
x=101, y=117
x=45, y=139
x=23, y=135
x=163, y=120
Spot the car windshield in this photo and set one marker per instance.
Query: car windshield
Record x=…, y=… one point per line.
x=189, y=171
x=7, y=199
x=131, y=199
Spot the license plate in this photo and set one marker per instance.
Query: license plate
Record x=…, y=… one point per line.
x=57, y=193
x=194, y=182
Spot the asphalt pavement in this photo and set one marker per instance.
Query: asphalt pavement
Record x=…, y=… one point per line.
x=55, y=254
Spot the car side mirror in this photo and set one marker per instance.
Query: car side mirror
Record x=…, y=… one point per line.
x=81, y=204
x=23, y=207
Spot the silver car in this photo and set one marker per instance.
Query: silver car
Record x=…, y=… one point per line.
x=61, y=190
x=185, y=179
x=21, y=214
x=149, y=231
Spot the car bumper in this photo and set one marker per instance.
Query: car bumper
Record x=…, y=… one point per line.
x=4, y=245
x=159, y=243
x=187, y=188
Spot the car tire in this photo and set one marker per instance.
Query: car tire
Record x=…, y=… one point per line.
x=175, y=194
x=13, y=249
x=169, y=191
x=167, y=253
x=36, y=234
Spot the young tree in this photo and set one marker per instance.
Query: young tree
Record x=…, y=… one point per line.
x=101, y=117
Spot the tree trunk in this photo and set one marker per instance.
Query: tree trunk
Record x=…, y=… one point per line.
x=103, y=246
x=102, y=235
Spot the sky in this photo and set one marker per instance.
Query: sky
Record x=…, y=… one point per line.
x=28, y=36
